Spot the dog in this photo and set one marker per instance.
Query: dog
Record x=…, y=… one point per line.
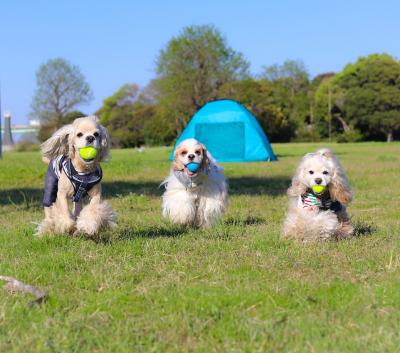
x=194, y=197
x=73, y=177
x=318, y=217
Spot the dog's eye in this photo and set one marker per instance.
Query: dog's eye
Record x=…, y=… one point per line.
x=198, y=153
x=79, y=134
x=96, y=134
x=311, y=171
x=325, y=172
x=183, y=153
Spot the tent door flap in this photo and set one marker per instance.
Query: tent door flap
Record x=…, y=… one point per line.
x=224, y=140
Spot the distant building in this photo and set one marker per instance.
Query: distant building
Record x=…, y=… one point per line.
x=34, y=122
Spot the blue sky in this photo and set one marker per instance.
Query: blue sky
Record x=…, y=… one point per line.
x=115, y=42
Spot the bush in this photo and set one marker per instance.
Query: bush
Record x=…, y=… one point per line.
x=307, y=134
x=27, y=146
x=349, y=136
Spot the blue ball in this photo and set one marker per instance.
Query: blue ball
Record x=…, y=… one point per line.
x=193, y=167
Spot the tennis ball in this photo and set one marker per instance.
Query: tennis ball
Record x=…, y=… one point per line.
x=318, y=189
x=88, y=152
x=193, y=167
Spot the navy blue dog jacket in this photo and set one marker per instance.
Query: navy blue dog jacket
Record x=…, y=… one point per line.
x=82, y=182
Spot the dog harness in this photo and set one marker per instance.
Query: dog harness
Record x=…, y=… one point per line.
x=323, y=202
x=82, y=182
x=191, y=182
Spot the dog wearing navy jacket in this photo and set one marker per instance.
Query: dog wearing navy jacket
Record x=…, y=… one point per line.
x=70, y=177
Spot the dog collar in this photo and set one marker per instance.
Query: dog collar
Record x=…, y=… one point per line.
x=191, y=182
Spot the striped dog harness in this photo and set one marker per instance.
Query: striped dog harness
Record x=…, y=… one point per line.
x=82, y=182
x=323, y=202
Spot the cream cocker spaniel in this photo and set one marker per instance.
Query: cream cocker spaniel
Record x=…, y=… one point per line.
x=318, y=216
x=73, y=177
x=195, y=190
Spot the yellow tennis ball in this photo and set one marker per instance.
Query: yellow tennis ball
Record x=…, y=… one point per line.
x=318, y=189
x=88, y=152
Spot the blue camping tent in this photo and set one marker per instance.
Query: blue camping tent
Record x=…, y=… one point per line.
x=229, y=131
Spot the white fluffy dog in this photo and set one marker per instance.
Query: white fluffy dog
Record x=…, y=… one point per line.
x=315, y=217
x=73, y=177
x=197, y=197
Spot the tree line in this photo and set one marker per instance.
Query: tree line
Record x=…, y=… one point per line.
x=362, y=102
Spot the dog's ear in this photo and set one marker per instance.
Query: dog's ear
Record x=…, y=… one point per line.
x=177, y=164
x=339, y=188
x=296, y=188
x=205, y=163
x=105, y=143
x=60, y=143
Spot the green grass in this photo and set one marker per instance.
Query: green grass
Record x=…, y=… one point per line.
x=153, y=287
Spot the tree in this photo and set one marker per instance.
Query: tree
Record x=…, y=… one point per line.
x=191, y=70
x=364, y=97
x=118, y=115
x=61, y=87
x=133, y=119
x=292, y=75
x=290, y=82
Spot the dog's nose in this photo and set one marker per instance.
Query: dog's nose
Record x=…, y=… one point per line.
x=318, y=180
x=191, y=156
x=90, y=138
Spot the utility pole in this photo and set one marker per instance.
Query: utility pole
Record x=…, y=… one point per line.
x=8, y=142
x=329, y=113
x=1, y=143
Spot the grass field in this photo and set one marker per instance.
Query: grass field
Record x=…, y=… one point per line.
x=153, y=287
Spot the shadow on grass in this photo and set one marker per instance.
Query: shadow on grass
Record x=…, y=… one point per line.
x=25, y=197
x=33, y=197
x=247, y=221
x=123, y=188
x=247, y=185
x=362, y=229
x=126, y=233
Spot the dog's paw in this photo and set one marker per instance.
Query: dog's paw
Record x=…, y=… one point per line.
x=87, y=226
x=45, y=227
x=64, y=225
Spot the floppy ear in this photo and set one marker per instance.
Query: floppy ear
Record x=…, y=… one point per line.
x=339, y=187
x=296, y=188
x=58, y=144
x=177, y=165
x=205, y=163
x=105, y=143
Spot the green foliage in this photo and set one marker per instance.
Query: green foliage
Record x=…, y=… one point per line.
x=61, y=87
x=290, y=84
x=191, y=70
x=26, y=146
x=351, y=135
x=366, y=96
x=149, y=286
x=133, y=119
x=123, y=115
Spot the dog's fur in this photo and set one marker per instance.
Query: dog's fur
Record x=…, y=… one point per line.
x=96, y=215
x=311, y=224
x=203, y=203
